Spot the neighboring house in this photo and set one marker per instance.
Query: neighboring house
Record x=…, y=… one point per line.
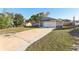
x=67, y=23
x=28, y=23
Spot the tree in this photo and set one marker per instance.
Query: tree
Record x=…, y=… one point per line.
x=18, y=20
x=5, y=20
x=36, y=18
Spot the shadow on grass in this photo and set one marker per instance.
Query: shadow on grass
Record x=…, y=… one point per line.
x=74, y=32
x=30, y=27
x=62, y=28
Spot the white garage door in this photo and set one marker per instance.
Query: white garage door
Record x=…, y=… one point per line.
x=49, y=24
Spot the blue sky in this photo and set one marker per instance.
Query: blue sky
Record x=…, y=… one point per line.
x=66, y=13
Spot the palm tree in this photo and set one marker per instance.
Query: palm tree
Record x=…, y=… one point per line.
x=36, y=18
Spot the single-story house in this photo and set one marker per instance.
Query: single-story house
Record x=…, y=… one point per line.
x=48, y=22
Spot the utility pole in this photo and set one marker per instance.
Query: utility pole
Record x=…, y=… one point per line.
x=74, y=21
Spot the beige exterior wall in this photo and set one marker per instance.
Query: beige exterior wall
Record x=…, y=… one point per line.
x=28, y=24
x=49, y=24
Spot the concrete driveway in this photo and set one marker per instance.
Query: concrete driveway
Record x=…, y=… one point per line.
x=20, y=41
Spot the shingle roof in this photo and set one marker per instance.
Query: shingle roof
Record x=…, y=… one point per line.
x=48, y=19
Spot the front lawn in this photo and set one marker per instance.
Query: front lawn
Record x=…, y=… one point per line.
x=57, y=40
x=13, y=30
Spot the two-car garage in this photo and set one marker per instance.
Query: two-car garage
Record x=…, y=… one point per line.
x=49, y=24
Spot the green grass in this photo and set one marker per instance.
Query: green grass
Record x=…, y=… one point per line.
x=13, y=30
x=57, y=40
